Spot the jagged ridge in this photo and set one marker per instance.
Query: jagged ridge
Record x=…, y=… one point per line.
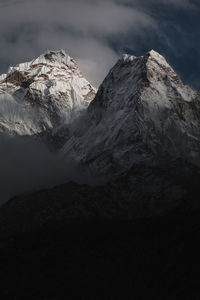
x=42, y=95
x=142, y=112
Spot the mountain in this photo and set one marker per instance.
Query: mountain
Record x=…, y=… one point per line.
x=136, y=148
x=143, y=192
x=39, y=97
x=133, y=232
x=142, y=113
x=137, y=144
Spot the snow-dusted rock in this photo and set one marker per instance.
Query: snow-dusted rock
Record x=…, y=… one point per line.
x=42, y=95
x=141, y=113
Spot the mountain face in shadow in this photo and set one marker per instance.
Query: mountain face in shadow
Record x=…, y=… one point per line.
x=129, y=225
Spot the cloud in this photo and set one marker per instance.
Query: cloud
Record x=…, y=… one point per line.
x=94, y=32
x=27, y=165
x=179, y=3
x=83, y=28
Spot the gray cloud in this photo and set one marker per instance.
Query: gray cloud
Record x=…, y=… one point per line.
x=85, y=29
x=178, y=3
x=82, y=28
x=27, y=165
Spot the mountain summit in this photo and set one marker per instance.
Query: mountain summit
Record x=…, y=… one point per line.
x=42, y=95
x=142, y=112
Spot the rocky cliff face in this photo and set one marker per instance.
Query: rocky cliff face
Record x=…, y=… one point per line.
x=141, y=113
x=38, y=98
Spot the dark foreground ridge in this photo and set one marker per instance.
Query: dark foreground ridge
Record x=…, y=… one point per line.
x=146, y=258
x=67, y=243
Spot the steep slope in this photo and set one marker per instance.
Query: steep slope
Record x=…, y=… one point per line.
x=41, y=96
x=141, y=113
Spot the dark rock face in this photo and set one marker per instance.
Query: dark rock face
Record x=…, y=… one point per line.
x=16, y=78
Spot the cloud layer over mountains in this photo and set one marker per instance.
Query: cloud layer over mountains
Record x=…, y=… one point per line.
x=93, y=32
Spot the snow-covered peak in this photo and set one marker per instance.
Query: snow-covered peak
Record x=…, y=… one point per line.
x=43, y=94
x=157, y=56
x=142, y=111
x=152, y=60
x=133, y=76
x=149, y=55
x=57, y=58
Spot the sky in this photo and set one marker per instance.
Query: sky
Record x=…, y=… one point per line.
x=97, y=32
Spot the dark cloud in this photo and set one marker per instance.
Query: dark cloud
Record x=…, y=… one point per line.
x=95, y=32
x=176, y=36
x=27, y=165
x=82, y=28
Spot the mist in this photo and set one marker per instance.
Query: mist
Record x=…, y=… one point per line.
x=27, y=165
